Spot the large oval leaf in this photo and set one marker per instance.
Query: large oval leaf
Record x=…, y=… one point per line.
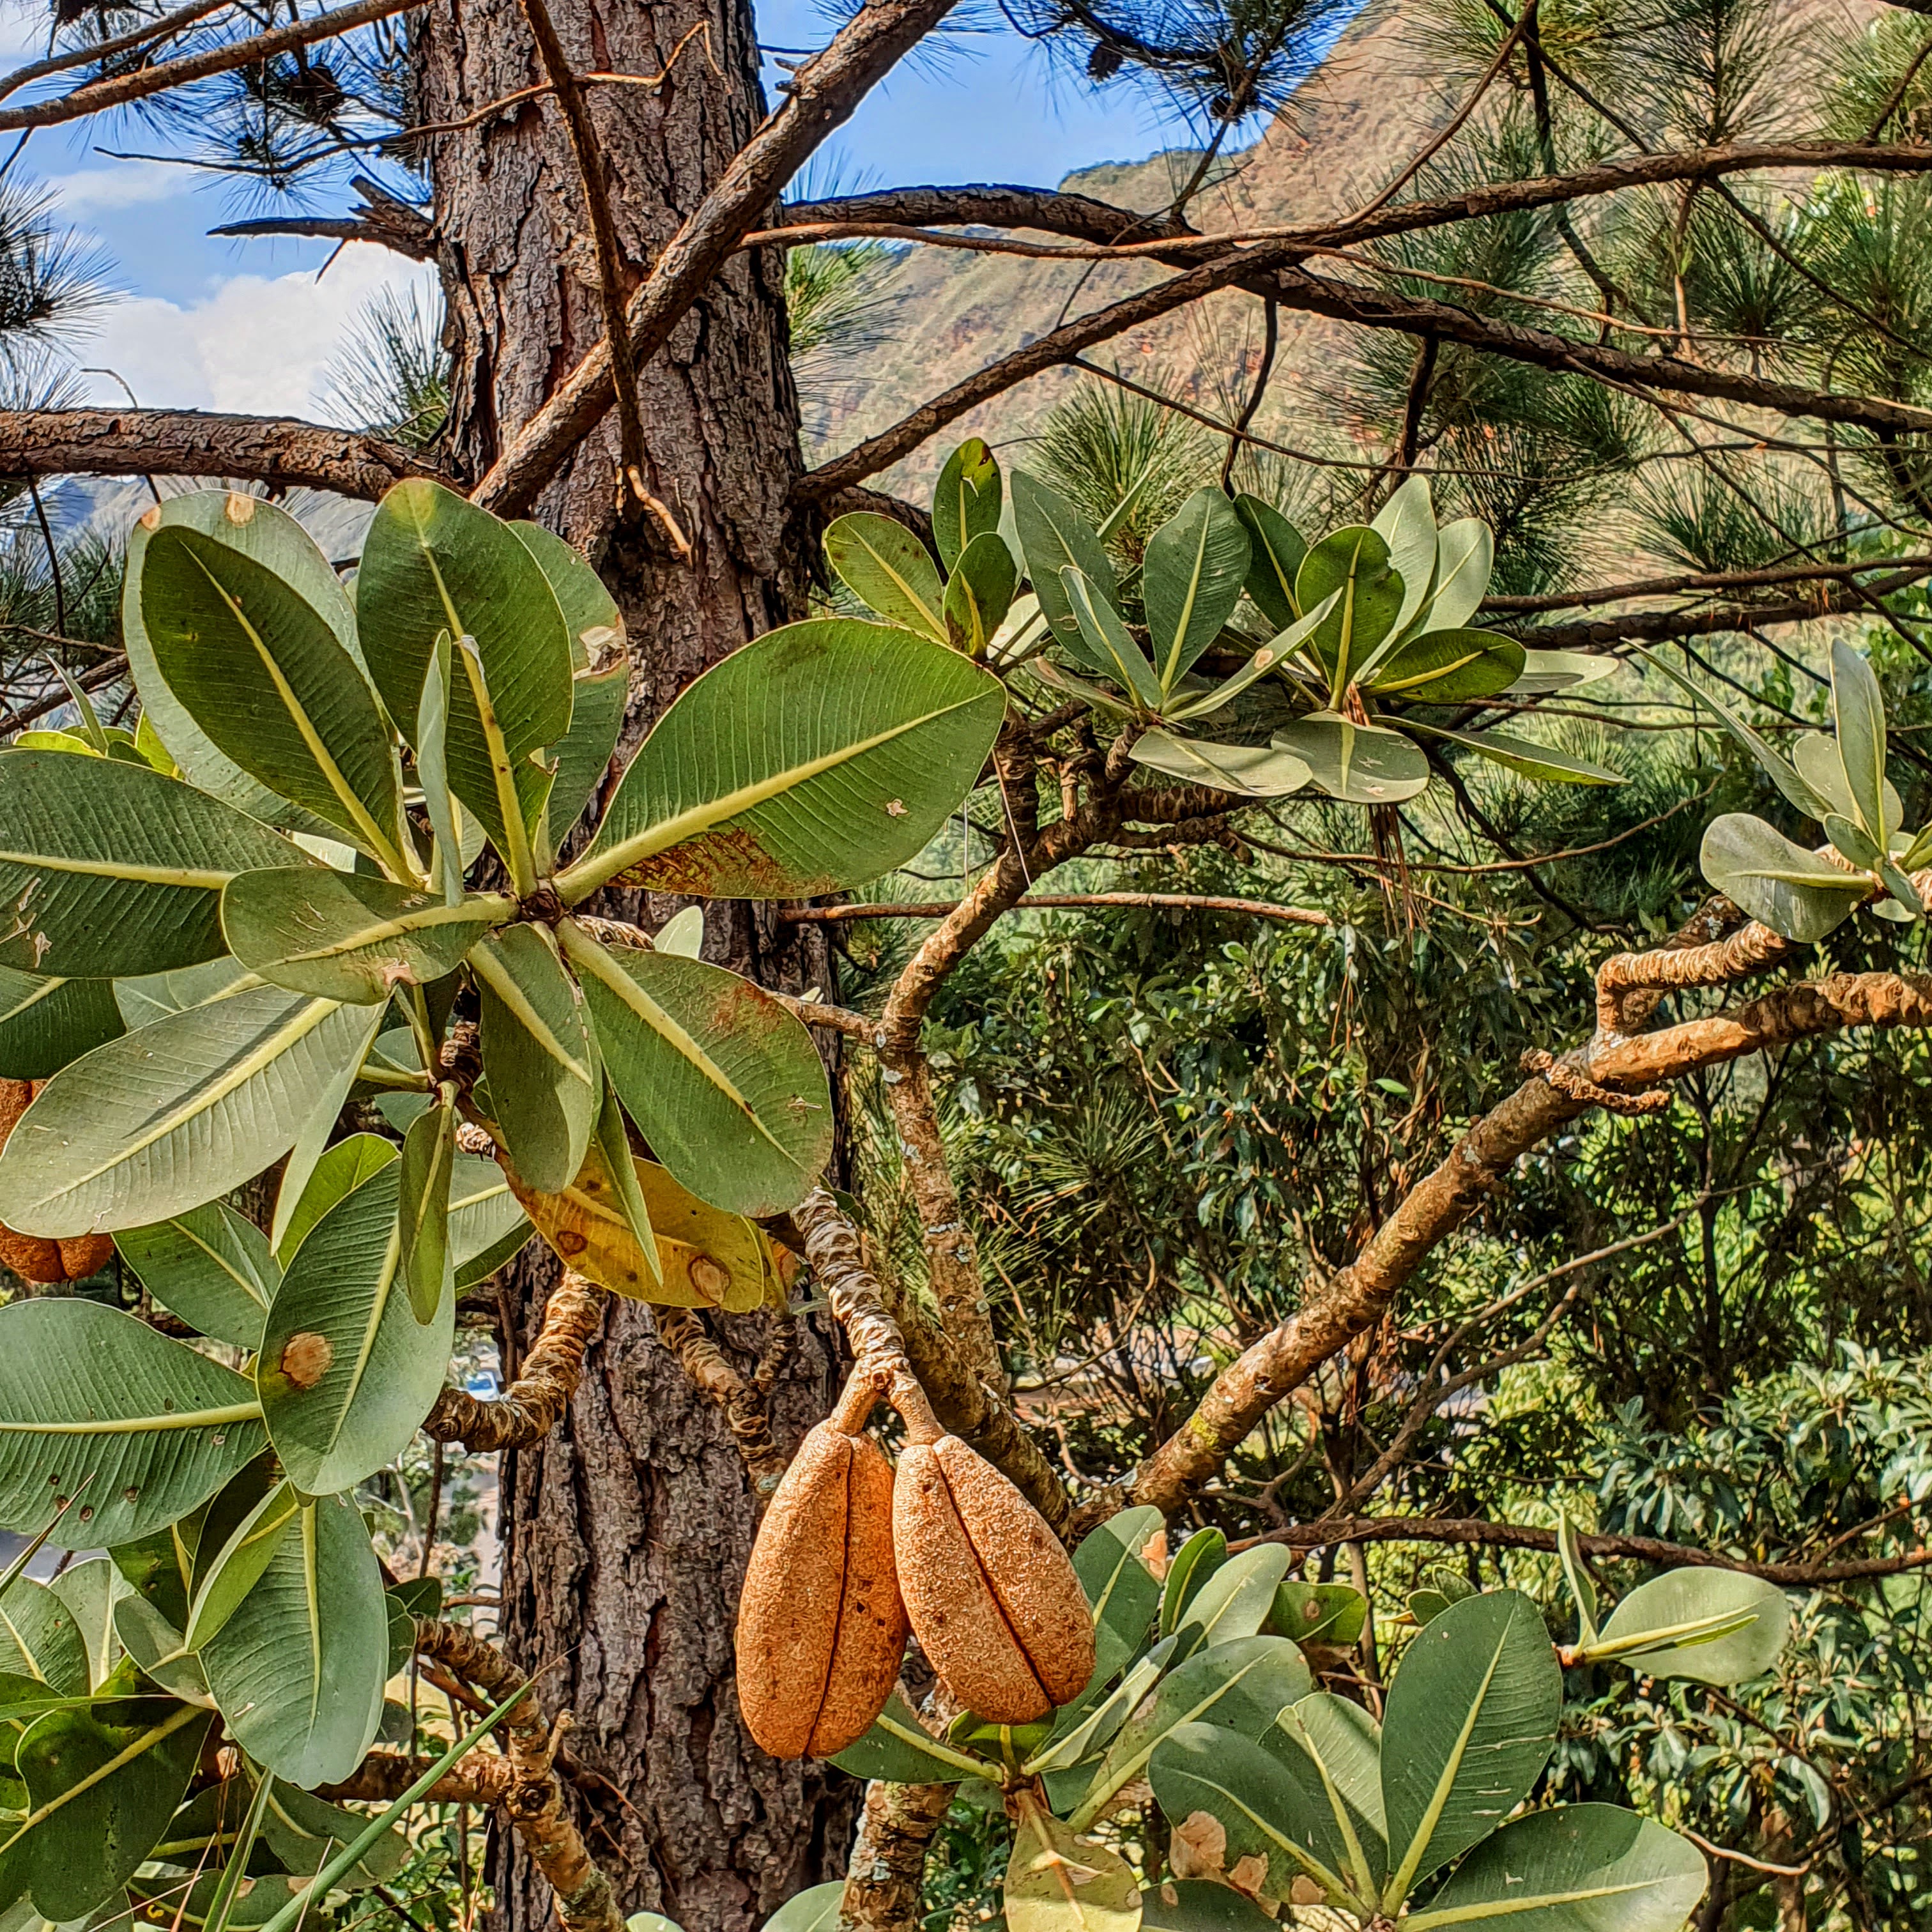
x=345, y=936
x=269, y=534
x=1406, y=522
x=724, y=1084
x=210, y=1266
x=40, y=1639
x=1355, y=561
x=87, y=1392
x=101, y=1795
x=1526, y=756
x=434, y=563
x=1053, y=534
x=1714, y=1626
x=269, y=683
x=1277, y=548
x=1256, y=771
x=814, y=760
x=346, y=1371
x=1058, y=1883
x=45, y=1023
x=108, y=869
x=1470, y=1722
x=1191, y=579
x=1449, y=666
x=487, y=1226
x=164, y=1119
x=888, y=570
x=1791, y=890
x=298, y=1668
x=966, y=499
x=1362, y=764
x=537, y=1055
x=1577, y=1868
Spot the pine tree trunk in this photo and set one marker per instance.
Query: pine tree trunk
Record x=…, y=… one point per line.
x=626, y=1533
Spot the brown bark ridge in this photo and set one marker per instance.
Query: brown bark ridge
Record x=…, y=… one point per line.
x=627, y=1528
x=279, y=450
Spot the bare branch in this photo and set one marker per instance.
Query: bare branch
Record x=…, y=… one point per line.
x=1149, y=902
x=386, y=221
x=117, y=91
x=279, y=450
x=1830, y=599
x=528, y=1410
x=820, y=98
x=1695, y=580
x=101, y=50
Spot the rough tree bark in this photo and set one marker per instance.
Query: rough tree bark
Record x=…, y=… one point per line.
x=627, y=1529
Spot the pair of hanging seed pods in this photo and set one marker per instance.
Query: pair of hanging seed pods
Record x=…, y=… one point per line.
x=853, y=1553
x=36, y=1258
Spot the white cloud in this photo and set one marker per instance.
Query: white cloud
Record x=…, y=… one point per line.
x=254, y=346
x=127, y=185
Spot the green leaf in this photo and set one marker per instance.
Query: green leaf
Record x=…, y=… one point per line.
x=1576, y=1574
x=161, y=1120
x=1236, y=1601
x=1406, y=522
x=225, y=1579
x=487, y=1225
x=41, y=1640
x=428, y=1259
x=1448, y=666
x=583, y=755
x=88, y=1391
x=1264, y=661
x=899, y=1749
x=159, y=1651
x=220, y=1916
x=979, y=593
x=1107, y=643
x=440, y=804
x=1122, y=1590
x=1469, y=1724
x=347, y=1372
x=724, y=1083
x=1354, y=561
x=1545, y=672
x=109, y=869
x=1816, y=756
x=809, y=761
x=1058, y=1883
x=814, y=1909
x=313, y=1138
x=965, y=500
x=1523, y=756
x=1242, y=1685
x=298, y=1668
x=269, y=682
x=590, y=613
x=1712, y=1626
x=613, y=1145
x=100, y=1795
x=682, y=933
x=210, y=1266
x=1199, y=1905
x=1853, y=843
x=1256, y=771
x=344, y=1168
x=154, y=996
x=1796, y=790
x=1084, y=1728
x=1344, y=1745
x=1197, y=1559
x=537, y=1055
x=1362, y=764
x=45, y=1023
x=272, y=538
x=304, y=1833
x=1464, y=555
x=1053, y=534
x=1236, y=1807
x=88, y=1590
x=1318, y=1612
x=1276, y=549
x=434, y=563
x=1577, y=1868
x=344, y=936
x=1858, y=706
x=1791, y=890
x=889, y=571
x=1191, y=579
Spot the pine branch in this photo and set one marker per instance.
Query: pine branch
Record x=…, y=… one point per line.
x=820, y=98
x=88, y=55
x=386, y=221
x=1144, y=901
x=278, y=450
x=1697, y=580
x=116, y=92
x=1653, y=627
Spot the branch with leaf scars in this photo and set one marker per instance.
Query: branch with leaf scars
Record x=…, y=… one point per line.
x=385, y=220
x=529, y=1409
x=820, y=97
x=586, y=1900
x=98, y=96
x=745, y=1405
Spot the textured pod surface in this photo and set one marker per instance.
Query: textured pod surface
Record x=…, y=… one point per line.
x=990, y=1592
x=28, y=1255
x=820, y=1627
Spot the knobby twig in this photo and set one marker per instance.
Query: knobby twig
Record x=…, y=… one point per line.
x=746, y=1411
x=529, y=1409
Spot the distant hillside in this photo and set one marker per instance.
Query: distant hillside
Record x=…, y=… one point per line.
x=1352, y=123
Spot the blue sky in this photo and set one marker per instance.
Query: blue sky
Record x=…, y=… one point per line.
x=210, y=323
